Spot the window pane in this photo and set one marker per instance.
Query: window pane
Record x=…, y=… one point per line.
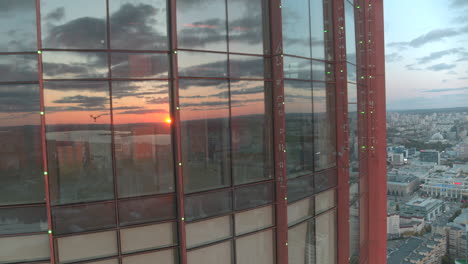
x=319, y=71
x=89, y=246
x=324, y=126
x=18, y=68
x=253, y=196
x=247, y=32
x=205, y=133
x=80, y=218
x=142, y=138
x=325, y=180
x=147, y=237
x=23, y=220
x=258, y=248
x=352, y=93
x=296, y=28
x=75, y=65
x=67, y=25
x=296, y=68
x=300, y=188
x=18, y=31
x=24, y=248
x=202, y=64
x=324, y=201
x=350, y=33
x=354, y=230
x=254, y=219
x=208, y=231
x=138, y=24
x=326, y=238
x=201, y=25
x=20, y=145
x=352, y=72
x=139, y=65
x=215, y=254
x=167, y=257
x=110, y=261
x=299, y=128
x=301, y=244
x=250, y=132
x=78, y=141
x=300, y=210
x=353, y=151
x=317, y=28
x=207, y=204
x=146, y=210
x=241, y=66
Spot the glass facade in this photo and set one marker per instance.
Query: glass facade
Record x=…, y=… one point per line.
x=135, y=131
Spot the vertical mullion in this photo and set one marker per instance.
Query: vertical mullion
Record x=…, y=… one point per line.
x=114, y=165
x=43, y=132
x=176, y=132
x=342, y=129
x=279, y=131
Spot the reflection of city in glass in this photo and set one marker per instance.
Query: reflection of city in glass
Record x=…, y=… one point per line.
x=134, y=131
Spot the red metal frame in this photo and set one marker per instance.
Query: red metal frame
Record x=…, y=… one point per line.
x=43, y=133
x=177, y=134
x=342, y=131
x=376, y=129
x=279, y=131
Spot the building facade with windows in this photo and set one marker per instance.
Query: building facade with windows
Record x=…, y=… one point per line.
x=181, y=131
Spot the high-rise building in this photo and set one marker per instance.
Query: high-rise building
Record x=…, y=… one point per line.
x=432, y=156
x=192, y=132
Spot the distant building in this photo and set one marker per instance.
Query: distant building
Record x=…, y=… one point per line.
x=432, y=156
x=428, y=209
x=430, y=251
x=398, y=159
x=448, y=184
x=456, y=241
x=401, y=185
x=393, y=225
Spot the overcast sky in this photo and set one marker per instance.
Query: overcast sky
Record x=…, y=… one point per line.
x=426, y=53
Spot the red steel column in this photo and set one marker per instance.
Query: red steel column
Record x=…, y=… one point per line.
x=342, y=131
x=276, y=41
x=377, y=175
x=177, y=134
x=43, y=133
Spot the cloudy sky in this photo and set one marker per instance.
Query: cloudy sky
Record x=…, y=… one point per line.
x=426, y=53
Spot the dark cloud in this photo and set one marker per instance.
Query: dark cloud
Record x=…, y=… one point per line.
x=437, y=55
x=143, y=112
x=101, y=86
x=411, y=67
x=459, y=3
x=57, y=14
x=19, y=98
x=441, y=67
x=18, y=68
x=431, y=36
x=10, y=6
x=159, y=100
x=85, y=101
x=447, y=90
x=202, y=33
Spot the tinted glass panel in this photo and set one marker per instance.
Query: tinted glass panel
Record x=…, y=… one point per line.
x=139, y=65
x=301, y=244
x=23, y=220
x=296, y=27
x=253, y=196
x=326, y=238
x=163, y=256
x=319, y=71
x=74, y=65
x=20, y=145
x=208, y=231
x=147, y=237
x=352, y=93
x=350, y=33
x=18, y=20
x=215, y=254
x=299, y=128
x=255, y=219
x=86, y=247
x=258, y=248
x=324, y=126
x=80, y=218
x=142, y=138
x=146, y=210
x=204, y=30
x=250, y=133
x=354, y=230
x=300, y=210
x=300, y=188
x=296, y=68
x=206, y=205
x=78, y=141
x=138, y=24
x=22, y=249
x=204, y=113
x=325, y=180
x=317, y=28
x=73, y=25
x=201, y=64
x=352, y=73
x=353, y=148
x=17, y=68
x=246, y=26
x=241, y=66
